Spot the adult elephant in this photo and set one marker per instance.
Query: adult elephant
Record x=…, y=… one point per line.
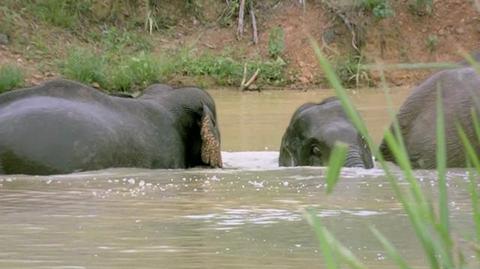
x=313, y=131
x=460, y=90
x=64, y=126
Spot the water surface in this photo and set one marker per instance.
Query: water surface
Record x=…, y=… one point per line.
x=247, y=215
x=253, y=121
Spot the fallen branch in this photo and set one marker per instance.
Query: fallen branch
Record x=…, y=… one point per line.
x=244, y=79
x=246, y=85
x=252, y=79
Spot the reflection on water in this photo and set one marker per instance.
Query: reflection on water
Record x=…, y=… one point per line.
x=247, y=215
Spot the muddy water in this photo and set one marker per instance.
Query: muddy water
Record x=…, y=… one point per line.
x=247, y=215
x=253, y=121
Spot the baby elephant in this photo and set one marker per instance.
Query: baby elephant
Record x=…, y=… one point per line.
x=313, y=131
x=417, y=116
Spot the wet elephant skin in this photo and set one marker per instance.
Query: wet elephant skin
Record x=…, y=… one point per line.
x=313, y=131
x=460, y=90
x=63, y=126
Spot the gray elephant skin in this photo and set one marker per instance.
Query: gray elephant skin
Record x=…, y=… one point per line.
x=313, y=131
x=460, y=90
x=63, y=126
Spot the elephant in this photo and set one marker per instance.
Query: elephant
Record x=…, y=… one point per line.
x=64, y=126
x=313, y=131
x=460, y=89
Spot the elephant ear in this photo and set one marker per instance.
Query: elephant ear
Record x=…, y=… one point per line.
x=210, y=135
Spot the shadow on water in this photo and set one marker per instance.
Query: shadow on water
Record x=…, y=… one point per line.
x=247, y=215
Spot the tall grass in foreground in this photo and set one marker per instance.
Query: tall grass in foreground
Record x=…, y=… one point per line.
x=431, y=227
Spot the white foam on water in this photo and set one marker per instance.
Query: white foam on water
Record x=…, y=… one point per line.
x=250, y=159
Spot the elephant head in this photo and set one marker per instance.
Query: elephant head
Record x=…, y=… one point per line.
x=313, y=131
x=194, y=113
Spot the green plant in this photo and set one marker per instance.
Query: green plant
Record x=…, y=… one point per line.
x=381, y=9
x=194, y=7
x=60, y=13
x=432, y=43
x=276, y=42
x=431, y=226
x=11, y=76
x=421, y=7
x=116, y=42
x=84, y=66
x=8, y=20
x=349, y=71
x=225, y=70
x=229, y=12
x=134, y=73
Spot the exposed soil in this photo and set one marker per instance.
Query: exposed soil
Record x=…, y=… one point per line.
x=453, y=26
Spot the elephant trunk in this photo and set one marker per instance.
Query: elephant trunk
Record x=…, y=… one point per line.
x=354, y=158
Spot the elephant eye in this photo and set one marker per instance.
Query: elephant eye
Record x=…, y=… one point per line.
x=316, y=151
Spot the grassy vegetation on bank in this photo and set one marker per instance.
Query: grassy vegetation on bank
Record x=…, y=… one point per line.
x=136, y=71
x=109, y=44
x=430, y=220
x=119, y=33
x=11, y=77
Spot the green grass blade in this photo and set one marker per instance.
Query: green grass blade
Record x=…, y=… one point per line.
x=419, y=210
x=320, y=232
x=346, y=255
x=470, y=151
x=443, y=226
x=340, y=93
x=391, y=250
x=470, y=60
x=476, y=124
x=337, y=159
x=330, y=246
x=472, y=187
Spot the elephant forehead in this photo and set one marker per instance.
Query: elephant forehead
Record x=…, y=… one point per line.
x=321, y=113
x=339, y=130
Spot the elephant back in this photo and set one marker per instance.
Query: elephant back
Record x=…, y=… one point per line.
x=60, y=88
x=460, y=90
x=179, y=100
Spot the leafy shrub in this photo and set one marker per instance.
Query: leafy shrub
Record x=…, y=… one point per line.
x=127, y=73
x=228, y=71
x=271, y=72
x=11, y=76
x=115, y=40
x=230, y=11
x=349, y=71
x=276, y=42
x=84, y=66
x=421, y=7
x=432, y=43
x=62, y=13
x=134, y=72
x=381, y=9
